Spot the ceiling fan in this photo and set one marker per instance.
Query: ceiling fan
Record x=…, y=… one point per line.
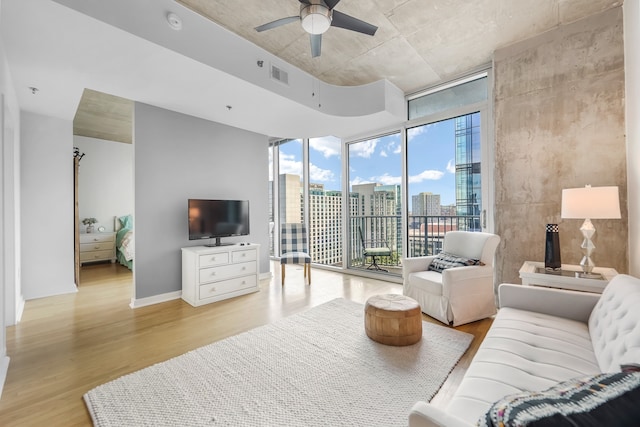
x=316, y=16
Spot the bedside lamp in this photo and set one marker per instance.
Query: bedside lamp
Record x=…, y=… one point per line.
x=590, y=203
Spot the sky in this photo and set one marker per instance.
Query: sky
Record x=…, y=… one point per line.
x=430, y=153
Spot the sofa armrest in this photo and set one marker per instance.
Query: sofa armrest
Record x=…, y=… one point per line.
x=413, y=264
x=563, y=303
x=424, y=414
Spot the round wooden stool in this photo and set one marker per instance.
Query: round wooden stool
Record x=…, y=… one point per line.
x=393, y=319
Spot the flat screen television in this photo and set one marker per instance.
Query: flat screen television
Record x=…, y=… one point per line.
x=213, y=219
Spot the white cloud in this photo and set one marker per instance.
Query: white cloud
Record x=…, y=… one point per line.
x=428, y=175
x=383, y=154
x=357, y=180
x=451, y=166
x=397, y=150
x=317, y=174
x=363, y=149
x=387, y=179
x=328, y=146
x=288, y=164
x=417, y=131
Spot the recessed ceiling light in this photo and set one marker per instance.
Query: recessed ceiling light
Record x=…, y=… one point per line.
x=174, y=21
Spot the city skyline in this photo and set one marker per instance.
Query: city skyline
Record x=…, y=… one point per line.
x=431, y=161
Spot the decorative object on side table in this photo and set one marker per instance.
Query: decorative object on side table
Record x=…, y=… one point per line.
x=89, y=223
x=590, y=203
x=552, y=248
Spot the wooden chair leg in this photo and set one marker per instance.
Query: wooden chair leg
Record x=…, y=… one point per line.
x=282, y=273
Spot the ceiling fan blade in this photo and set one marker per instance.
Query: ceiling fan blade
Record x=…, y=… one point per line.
x=331, y=3
x=316, y=44
x=277, y=23
x=347, y=22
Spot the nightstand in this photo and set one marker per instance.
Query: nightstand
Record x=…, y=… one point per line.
x=97, y=247
x=569, y=276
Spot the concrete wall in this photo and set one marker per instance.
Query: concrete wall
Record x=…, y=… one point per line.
x=559, y=123
x=632, y=86
x=178, y=157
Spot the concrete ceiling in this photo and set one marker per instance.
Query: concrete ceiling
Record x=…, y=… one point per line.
x=125, y=49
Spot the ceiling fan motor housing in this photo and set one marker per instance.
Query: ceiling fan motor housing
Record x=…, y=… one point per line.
x=316, y=18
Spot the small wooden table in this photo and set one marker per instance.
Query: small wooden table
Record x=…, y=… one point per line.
x=393, y=319
x=568, y=277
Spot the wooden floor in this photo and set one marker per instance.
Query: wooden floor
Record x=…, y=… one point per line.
x=66, y=345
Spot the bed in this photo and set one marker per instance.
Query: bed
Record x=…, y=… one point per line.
x=125, y=245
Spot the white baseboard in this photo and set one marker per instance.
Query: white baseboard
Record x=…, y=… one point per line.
x=19, y=309
x=267, y=275
x=156, y=299
x=4, y=368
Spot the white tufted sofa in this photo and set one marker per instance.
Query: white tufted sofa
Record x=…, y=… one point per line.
x=542, y=336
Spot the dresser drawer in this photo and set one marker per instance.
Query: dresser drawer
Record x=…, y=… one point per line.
x=232, y=285
x=243, y=256
x=96, y=255
x=210, y=260
x=97, y=237
x=99, y=246
x=223, y=272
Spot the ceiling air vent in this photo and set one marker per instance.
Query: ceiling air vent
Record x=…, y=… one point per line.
x=279, y=75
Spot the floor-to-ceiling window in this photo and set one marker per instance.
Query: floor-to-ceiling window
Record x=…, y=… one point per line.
x=405, y=203
x=375, y=200
x=325, y=200
x=446, y=180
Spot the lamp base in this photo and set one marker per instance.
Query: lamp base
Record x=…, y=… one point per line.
x=588, y=230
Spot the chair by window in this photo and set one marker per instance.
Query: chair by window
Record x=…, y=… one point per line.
x=457, y=292
x=294, y=248
x=372, y=249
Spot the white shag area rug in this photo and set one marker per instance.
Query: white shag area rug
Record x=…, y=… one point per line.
x=316, y=368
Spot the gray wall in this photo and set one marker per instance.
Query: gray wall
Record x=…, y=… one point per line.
x=178, y=157
x=559, y=123
x=47, y=206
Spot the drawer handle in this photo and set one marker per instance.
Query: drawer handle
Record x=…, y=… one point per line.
x=244, y=254
x=213, y=273
x=244, y=268
x=95, y=239
x=212, y=290
x=96, y=247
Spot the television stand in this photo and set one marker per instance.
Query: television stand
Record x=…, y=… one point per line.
x=218, y=273
x=218, y=243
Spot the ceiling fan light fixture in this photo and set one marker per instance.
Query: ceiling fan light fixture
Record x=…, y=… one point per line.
x=316, y=18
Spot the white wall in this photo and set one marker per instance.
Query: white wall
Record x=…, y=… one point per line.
x=47, y=206
x=632, y=99
x=178, y=157
x=105, y=180
x=10, y=296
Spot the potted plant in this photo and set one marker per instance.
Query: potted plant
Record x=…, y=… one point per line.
x=89, y=223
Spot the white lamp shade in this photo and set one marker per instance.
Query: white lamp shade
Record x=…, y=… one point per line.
x=590, y=202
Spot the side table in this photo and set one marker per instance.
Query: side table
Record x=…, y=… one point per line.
x=569, y=276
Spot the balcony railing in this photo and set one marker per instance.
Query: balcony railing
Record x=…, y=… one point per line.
x=425, y=234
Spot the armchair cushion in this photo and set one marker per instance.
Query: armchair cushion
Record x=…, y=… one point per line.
x=445, y=260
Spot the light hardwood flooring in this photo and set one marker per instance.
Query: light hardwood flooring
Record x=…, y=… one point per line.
x=66, y=345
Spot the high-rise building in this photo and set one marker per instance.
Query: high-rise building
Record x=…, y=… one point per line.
x=425, y=204
x=468, y=184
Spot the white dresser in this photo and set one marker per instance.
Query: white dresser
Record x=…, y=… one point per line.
x=211, y=274
x=97, y=247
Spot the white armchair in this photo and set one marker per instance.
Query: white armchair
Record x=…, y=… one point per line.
x=457, y=295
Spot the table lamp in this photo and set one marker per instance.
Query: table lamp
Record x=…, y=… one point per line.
x=590, y=203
